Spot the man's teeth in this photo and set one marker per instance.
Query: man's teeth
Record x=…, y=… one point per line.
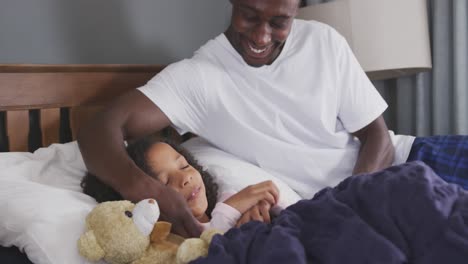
x=256, y=50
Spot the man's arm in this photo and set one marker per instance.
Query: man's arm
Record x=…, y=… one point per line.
x=377, y=151
x=101, y=143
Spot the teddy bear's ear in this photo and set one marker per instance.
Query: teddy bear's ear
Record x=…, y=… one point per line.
x=160, y=231
x=89, y=248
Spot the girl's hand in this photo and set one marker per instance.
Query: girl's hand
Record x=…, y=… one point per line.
x=252, y=195
x=259, y=212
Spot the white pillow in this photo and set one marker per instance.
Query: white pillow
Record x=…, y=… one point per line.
x=43, y=209
x=234, y=174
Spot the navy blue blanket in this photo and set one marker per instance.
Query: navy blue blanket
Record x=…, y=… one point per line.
x=404, y=214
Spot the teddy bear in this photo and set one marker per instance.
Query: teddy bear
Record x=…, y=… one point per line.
x=121, y=232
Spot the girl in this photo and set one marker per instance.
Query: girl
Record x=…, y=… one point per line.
x=176, y=168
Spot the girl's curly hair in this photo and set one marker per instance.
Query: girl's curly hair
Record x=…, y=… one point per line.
x=137, y=151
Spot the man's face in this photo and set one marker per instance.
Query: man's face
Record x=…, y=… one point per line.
x=259, y=28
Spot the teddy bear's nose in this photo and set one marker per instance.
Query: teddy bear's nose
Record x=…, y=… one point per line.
x=151, y=201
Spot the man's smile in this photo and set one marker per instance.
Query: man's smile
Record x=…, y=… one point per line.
x=255, y=53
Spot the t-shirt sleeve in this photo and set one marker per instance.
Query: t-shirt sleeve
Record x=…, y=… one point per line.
x=359, y=102
x=178, y=92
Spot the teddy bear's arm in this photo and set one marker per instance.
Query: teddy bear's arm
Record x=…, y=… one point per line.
x=89, y=247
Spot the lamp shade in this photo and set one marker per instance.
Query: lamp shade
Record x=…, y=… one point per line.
x=390, y=38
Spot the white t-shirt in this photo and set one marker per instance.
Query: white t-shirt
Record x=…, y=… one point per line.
x=292, y=118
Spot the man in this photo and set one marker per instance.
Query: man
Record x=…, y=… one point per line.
x=284, y=94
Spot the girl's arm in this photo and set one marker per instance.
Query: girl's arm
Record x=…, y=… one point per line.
x=252, y=195
x=251, y=203
x=259, y=212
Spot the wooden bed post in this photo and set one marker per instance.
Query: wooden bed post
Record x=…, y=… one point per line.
x=3, y=136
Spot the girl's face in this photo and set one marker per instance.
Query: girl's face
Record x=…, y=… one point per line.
x=173, y=170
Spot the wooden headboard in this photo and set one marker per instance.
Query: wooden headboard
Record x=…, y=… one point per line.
x=45, y=104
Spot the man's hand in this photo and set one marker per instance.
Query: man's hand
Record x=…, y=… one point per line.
x=259, y=212
x=101, y=142
x=174, y=209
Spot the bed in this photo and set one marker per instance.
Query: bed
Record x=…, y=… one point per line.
x=404, y=214
x=45, y=104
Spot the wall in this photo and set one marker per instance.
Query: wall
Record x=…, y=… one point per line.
x=107, y=31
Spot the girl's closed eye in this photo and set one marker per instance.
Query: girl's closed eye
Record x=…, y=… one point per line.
x=183, y=163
